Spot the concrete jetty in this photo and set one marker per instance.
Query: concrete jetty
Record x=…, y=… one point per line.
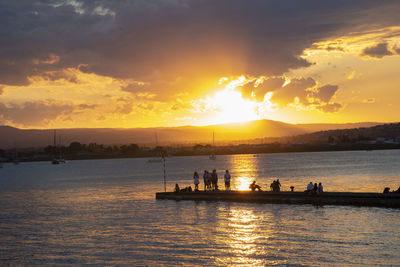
x=390, y=200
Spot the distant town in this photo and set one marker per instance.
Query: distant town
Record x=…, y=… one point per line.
x=386, y=136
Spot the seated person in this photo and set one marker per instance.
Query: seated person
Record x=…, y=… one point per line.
x=253, y=186
x=177, y=189
x=386, y=190
x=187, y=189
x=310, y=187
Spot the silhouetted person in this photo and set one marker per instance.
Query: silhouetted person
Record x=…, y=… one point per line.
x=214, y=180
x=196, y=181
x=227, y=178
x=275, y=186
x=386, y=190
x=253, y=186
x=320, y=188
x=309, y=187
x=209, y=179
x=397, y=191
x=176, y=190
x=205, y=179
x=315, y=188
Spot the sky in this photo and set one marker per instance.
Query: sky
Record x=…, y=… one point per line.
x=147, y=63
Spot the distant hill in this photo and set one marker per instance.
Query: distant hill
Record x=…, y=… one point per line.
x=332, y=126
x=386, y=131
x=23, y=138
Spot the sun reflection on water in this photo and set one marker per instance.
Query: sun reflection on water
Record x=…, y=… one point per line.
x=246, y=169
x=247, y=236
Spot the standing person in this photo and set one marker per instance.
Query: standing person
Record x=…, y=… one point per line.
x=196, y=181
x=205, y=179
x=320, y=188
x=214, y=179
x=209, y=179
x=227, y=178
x=272, y=185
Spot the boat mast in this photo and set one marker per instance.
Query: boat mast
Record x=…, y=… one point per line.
x=213, y=140
x=55, y=139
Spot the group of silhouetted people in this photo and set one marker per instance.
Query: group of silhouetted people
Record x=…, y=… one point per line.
x=211, y=180
x=314, y=188
x=211, y=184
x=275, y=186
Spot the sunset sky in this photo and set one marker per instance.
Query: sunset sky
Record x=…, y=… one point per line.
x=75, y=63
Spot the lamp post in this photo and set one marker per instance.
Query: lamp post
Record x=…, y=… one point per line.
x=165, y=176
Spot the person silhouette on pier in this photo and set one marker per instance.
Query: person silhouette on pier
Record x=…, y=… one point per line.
x=206, y=180
x=253, y=186
x=214, y=179
x=196, y=179
x=227, y=178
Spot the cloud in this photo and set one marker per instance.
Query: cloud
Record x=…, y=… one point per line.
x=136, y=88
x=298, y=92
x=330, y=107
x=138, y=39
x=325, y=93
x=33, y=113
x=52, y=59
x=87, y=106
x=125, y=105
x=369, y=100
x=297, y=88
x=258, y=87
x=378, y=51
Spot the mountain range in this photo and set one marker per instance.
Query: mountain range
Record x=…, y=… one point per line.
x=224, y=134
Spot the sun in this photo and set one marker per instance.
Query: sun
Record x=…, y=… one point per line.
x=230, y=106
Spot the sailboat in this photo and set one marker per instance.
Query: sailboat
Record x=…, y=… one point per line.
x=212, y=156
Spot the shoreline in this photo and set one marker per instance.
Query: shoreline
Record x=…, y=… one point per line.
x=94, y=156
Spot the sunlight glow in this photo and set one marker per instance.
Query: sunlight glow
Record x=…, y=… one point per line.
x=230, y=106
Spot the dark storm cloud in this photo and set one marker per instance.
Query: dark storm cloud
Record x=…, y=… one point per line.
x=145, y=39
x=378, y=51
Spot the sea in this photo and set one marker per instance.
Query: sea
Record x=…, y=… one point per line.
x=104, y=213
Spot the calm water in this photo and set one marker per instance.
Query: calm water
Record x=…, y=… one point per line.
x=104, y=212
